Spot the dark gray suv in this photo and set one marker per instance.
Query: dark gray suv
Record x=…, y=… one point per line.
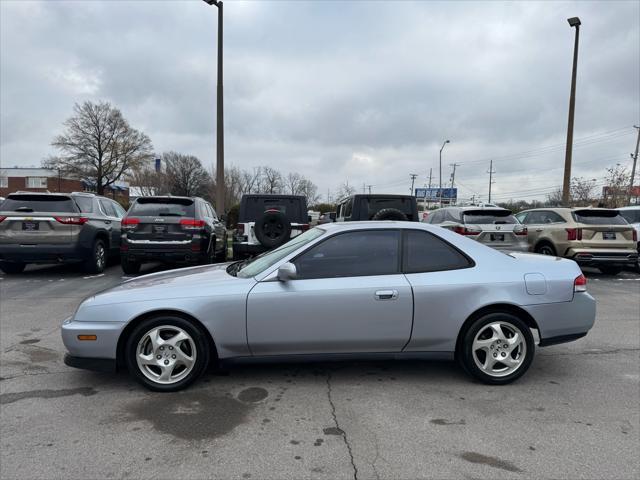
x=58, y=228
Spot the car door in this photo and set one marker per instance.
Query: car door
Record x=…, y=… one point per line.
x=120, y=213
x=349, y=296
x=110, y=222
x=218, y=228
x=535, y=226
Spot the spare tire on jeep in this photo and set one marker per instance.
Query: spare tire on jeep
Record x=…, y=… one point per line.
x=273, y=229
x=390, y=214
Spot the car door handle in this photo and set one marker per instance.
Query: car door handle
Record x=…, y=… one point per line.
x=539, y=229
x=108, y=222
x=386, y=294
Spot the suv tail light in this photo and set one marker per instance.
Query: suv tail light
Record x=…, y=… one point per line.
x=580, y=284
x=574, y=233
x=304, y=227
x=468, y=230
x=191, y=224
x=129, y=223
x=520, y=231
x=2, y=217
x=72, y=220
x=634, y=235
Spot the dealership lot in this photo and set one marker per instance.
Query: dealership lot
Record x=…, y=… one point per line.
x=574, y=414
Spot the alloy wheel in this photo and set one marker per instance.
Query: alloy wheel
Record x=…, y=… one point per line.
x=166, y=354
x=499, y=349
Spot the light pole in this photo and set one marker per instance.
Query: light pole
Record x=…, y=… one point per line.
x=440, y=189
x=634, y=156
x=573, y=22
x=219, y=119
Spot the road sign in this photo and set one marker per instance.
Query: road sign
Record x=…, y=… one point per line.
x=449, y=195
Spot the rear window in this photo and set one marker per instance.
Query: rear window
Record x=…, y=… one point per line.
x=39, y=203
x=489, y=217
x=253, y=208
x=599, y=217
x=374, y=205
x=631, y=216
x=163, y=207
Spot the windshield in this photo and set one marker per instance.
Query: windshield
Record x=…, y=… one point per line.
x=163, y=207
x=489, y=217
x=259, y=264
x=39, y=203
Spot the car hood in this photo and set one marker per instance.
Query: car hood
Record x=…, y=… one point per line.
x=202, y=281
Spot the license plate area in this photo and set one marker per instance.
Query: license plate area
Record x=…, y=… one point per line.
x=608, y=235
x=497, y=237
x=159, y=229
x=30, y=226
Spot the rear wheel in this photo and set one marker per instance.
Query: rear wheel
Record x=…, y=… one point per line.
x=546, y=249
x=129, y=267
x=609, y=270
x=167, y=353
x=11, y=268
x=497, y=348
x=98, y=259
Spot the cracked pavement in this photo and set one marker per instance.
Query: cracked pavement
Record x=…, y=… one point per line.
x=573, y=415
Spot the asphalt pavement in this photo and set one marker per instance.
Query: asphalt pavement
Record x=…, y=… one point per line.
x=575, y=414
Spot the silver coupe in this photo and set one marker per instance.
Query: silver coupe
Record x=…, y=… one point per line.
x=365, y=290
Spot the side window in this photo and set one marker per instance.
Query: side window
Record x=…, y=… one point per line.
x=107, y=208
x=425, y=252
x=452, y=217
x=352, y=254
x=120, y=212
x=84, y=203
x=437, y=217
x=522, y=217
x=535, y=218
x=212, y=212
x=348, y=208
x=553, y=217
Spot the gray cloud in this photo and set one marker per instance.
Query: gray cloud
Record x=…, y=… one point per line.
x=359, y=90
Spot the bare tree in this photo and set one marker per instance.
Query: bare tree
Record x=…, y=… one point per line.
x=309, y=190
x=251, y=180
x=271, y=181
x=185, y=175
x=148, y=181
x=99, y=144
x=581, y=191
x=293, y=183
x=345, y=190
x=616, y=186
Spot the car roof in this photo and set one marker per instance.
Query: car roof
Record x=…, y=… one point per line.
x=630, y=207
x=377, y=224
x=167, y=197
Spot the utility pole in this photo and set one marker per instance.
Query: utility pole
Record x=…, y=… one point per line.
x=413, y=179
x=440, y=186
x=328, y=195
x=566, y=184
x=219, y=118
x=429, y=191
x=635, y=160
x=364, y=187
x=369, y=187
x=453, y=174
x=490, y=172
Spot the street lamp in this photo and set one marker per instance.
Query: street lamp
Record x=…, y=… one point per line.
x=219, y=118
x=573, y=22
x=440, y=189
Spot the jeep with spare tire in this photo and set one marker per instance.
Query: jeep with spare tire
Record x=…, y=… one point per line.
x=267, y=221
x=362, y=207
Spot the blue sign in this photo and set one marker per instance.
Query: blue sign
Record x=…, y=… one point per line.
x=433, y=194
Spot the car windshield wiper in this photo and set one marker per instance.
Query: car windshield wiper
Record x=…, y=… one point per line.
x=235, y=267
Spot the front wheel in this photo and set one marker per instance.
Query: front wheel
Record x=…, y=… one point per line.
x=129, y=267
x=497, y=348
x=609, y=270
x=167, y=353
x=546, y=249
x=11, y=268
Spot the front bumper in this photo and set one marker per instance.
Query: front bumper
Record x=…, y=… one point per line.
x=104, y=347
x=44, y=253
x=95, y=364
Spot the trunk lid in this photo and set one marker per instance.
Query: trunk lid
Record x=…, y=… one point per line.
x=161, y=220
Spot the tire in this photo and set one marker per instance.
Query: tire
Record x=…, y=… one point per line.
x=11, y=268
x=610, y=270
x=97, y=261
x=474, y=356
x=129, y=267
x=179, y=374
x=546, y=249
x=273, y=229
x=390, y=214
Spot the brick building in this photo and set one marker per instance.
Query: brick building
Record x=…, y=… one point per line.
x=46, y=180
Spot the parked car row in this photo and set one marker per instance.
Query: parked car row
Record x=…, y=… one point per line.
x=85, y=228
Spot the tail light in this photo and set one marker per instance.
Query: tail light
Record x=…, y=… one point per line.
x=2, y=217
x=635, y=233
x=72, y=220
x=580, y=284
x=574, y=233
x=521, y=231
x=191, y=224
x=129, y=223
x=240, y=228
x=468, y=230
x=304, y=227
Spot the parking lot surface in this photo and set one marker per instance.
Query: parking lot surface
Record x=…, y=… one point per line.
x=575, y=413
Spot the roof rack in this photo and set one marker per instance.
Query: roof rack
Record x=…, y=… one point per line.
x=88, y=194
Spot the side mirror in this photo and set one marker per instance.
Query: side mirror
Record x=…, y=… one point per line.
x=287, y=271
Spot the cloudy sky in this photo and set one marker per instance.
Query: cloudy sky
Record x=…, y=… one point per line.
x=364, y=91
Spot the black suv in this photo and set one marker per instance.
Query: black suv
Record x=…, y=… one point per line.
x=58, y=228
x=378, y=207
x=268, y=221
x=183, y=230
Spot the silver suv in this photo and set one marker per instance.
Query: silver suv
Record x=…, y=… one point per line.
x=58, y=228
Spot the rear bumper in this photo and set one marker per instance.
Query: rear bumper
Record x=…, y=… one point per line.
x=248, y=249
x=516, y=247
x=621, y=257
x=44, y=253
x=177, y=252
